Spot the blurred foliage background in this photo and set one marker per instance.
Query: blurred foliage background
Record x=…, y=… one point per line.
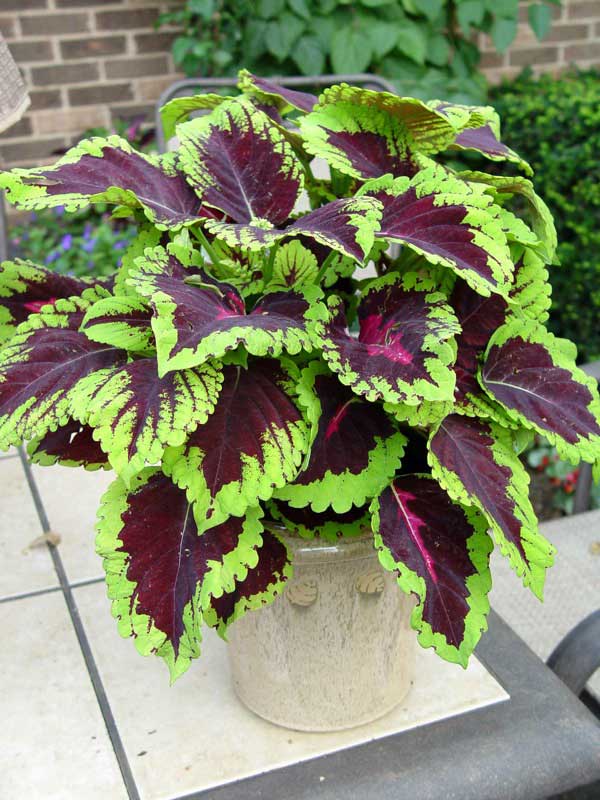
x=427, y=48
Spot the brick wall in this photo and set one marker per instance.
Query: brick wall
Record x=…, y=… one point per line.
x=573, y=39
x=87, y=61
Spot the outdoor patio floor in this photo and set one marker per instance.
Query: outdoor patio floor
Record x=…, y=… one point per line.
x=62, y=657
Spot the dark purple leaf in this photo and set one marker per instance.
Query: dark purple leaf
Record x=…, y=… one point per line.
x=533, y=375
x=450, y=224
x=240, y=163
x=25, y=288
x=327, y=524
x=402, y=353
x=355, y=449
x=137, y=414
x=194, y=322
x=252, y=443
x=476, y=463
x=262, y=584
x=346, y=225
x=161, y=572
x=269, y=92
x=479, y=317
x=72, y=445
x=102, y=170
x=440, y=552
x=367, y=134
x=40, y=369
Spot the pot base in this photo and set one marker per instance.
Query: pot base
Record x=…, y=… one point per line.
x=335, y=650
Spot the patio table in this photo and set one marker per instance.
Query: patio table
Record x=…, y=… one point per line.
x=540, y=742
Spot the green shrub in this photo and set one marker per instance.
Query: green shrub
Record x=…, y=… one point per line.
x=555, y=124
x=426, y=47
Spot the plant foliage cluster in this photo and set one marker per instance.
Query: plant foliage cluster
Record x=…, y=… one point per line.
x=242, y=367
x=86, y=243
x=555, y=123
x=427, y=47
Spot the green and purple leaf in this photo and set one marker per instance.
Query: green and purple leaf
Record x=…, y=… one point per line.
x=476, y=463
x=405, y=348
x=252, y=444
x=533, y=375
x=328, y=525
x=440, y=552
x=197, y=318
x=25, y=288
x=41, y=368
x=161, y=572
x=478, y=317
x=71, y=445
x=238, y=162
x=136, y=414
x=178, y=110
x=355, y=448
x=486, y=141
x=123, y=321
x=367, y=134
x=346, y=225
x=271, y=93
x=262, y=584
x=537, y=212
x=449, y=222
x=108, y=171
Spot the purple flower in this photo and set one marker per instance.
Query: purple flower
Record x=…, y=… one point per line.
x=66, y=241
x=59, y=211
x=120, y=245
x=87, y=231
x=51, y=257
x=88, y=245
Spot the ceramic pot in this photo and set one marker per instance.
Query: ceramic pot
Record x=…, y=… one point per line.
x=335, y=650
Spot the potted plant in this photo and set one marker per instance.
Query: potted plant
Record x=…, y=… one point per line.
x=267, y=408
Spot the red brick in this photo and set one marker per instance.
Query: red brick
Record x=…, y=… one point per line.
x=30, y=51
x=31, y=149
x=107, y=93
x=44, y=98
x=566, y=33
x=64, y=73
x=51, y=24
x=154, y=42
x=534, y=55
x=126, y=20
x=583, y=10
x=69, y=120
x=137, y=67
x=85, y=3
x=491, y=60
x=93, y=47
x=132, y=111
x=8, y=27
x=20, y=128
x=23, y=5
x=582, y=52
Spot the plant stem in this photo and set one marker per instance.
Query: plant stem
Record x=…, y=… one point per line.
x=201, y=236
x=268, y=272
x=324, y=267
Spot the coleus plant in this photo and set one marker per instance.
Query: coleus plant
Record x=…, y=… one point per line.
x=279, y=350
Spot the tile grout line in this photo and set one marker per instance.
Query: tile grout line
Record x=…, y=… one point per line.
x=82, y=639
x=12, y=598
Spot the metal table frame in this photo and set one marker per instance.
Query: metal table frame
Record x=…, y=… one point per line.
x=541, y=743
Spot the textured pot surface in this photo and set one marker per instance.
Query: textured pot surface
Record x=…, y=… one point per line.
x=335, y=650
